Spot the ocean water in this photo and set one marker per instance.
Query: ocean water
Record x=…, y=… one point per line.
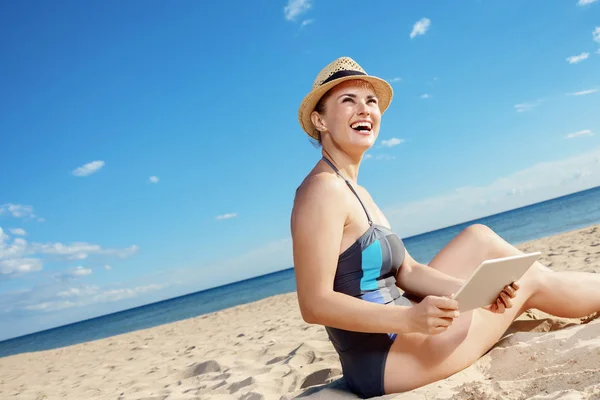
x=554, y=216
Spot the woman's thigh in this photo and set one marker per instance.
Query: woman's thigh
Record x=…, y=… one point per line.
x=468, y=249
x=417, y=359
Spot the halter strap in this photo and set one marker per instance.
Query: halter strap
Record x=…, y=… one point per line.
x=351, y=188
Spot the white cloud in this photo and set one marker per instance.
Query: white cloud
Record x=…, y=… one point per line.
x=18, y=231
x=153, y=179
x=16, y=256
x=578, y=58
x=51, y=306
x=226, y=216
x=79, y=292
x=17, y=210
x=425, y=96
x=80, y=271
x=524, y=107
x=420, y=27
x=295, y=8
x=79, y=250
x=107, y=267
x=124, y=293
x=392, y=142
x=17, y=267
x=88, y=168
x=395, y=79
x=384, y=157
x=596, y=34
x=585, y=2
x=306, y=22
x=585, y=132
x=531, y=185
x=368, y=156
x=80, y=296
x=583, y=92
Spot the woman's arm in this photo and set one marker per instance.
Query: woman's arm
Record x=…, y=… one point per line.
x=422, y=280
x=317, y=226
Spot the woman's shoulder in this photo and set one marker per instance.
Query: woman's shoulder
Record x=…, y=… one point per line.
x=320, y=186
x=319, y=193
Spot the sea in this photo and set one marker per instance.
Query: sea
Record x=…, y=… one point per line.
x=547, y=218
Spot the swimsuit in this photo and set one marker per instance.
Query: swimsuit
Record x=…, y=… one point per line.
x=367, y=270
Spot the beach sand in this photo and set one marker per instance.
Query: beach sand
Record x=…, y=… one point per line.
x=264, y=350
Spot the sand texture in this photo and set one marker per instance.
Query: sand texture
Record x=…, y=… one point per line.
x=264, y=350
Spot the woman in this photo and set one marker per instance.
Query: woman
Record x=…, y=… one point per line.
x=350, y=267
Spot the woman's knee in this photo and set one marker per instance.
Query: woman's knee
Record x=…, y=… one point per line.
x=479, y=231
x=480, y=235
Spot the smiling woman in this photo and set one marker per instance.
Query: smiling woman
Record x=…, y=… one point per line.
x=390, y=318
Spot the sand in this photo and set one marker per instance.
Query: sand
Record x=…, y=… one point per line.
x=264, y=350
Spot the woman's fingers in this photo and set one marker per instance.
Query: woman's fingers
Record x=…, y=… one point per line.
x=500, y=306
x=510, y=291
x=506, y=300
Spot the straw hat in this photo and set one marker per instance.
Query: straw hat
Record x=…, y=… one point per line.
x=340, y=70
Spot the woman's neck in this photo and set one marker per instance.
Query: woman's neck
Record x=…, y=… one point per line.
x=345, y=163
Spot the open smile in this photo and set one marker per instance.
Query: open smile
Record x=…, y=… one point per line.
x=362, y=127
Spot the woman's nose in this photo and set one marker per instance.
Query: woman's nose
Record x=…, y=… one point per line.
x=363, y=108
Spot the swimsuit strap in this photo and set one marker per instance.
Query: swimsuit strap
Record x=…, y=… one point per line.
x=351, y=188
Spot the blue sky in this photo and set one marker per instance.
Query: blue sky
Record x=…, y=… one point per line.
x=151, y=150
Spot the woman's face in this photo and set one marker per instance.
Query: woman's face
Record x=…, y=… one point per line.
x=351, y=115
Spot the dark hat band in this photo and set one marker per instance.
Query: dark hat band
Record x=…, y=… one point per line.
x=341, y=74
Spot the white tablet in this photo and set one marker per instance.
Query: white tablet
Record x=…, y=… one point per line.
x=489, y=279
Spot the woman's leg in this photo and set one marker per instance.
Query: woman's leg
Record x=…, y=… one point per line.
x=563, y=294
x=416, y=359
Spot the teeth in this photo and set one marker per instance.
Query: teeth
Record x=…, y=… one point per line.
x=356, y=125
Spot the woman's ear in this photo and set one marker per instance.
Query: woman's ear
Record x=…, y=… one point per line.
x=318, y=121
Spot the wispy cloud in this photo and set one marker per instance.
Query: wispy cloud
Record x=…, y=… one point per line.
x=584, y=132
x=88, y=168
x=13, y=268
x=578, y=58
x=420, y=27
x=524, y=107
x=392, y=142
x=583, y=92
x=17, y=210
x=87, y=295
x=368, y=156
x=79, y=291
x=20, y=257
x=79, y=250
x=596, y=34
x=153, y=179
x=395, y=79
x=537, y=183
x=18, y=232
x=585, y=2
x=306, y=22
x=226, y=216
x=425, y=96
x=107, y=267
x=76, y=272
x=295, y=8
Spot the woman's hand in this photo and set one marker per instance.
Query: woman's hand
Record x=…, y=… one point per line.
x=504, y=299
x=433, y=315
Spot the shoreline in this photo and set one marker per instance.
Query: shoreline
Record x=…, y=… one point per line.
x=264, y=350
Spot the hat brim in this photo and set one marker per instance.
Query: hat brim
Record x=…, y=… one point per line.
x=383, y=91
